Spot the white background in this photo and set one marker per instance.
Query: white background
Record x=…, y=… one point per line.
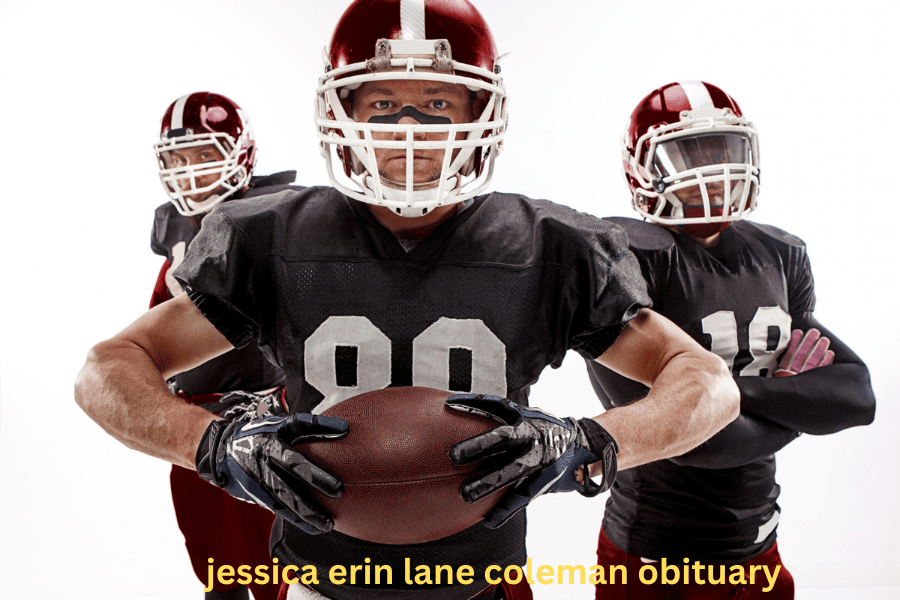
x=83, y=85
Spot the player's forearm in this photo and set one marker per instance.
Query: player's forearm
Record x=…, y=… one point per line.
x=692, y=398
x=743, y=441
x=821, y=401
x=122, y=389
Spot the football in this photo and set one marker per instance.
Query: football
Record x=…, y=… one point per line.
x=399, y=484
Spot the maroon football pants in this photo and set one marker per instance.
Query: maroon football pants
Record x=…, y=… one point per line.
x=216, y=525
x=518, y=591
x=608, y=555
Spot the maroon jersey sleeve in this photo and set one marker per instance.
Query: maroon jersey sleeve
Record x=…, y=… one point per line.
x=160, y=290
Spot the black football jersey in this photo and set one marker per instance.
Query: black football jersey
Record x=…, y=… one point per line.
x=738, y=300
x=483, y=304
x=243, y=368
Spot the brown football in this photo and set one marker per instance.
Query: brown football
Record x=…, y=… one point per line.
x=399, y=484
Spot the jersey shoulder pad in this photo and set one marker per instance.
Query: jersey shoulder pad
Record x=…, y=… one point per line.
x=166, y=212
x=278, y=199
x=169, y=228
x=280, y=178
x=273, y=221
x=544, y=215
x=265, y=185
x=643, y=235
x=269, y=190
x=774, y=233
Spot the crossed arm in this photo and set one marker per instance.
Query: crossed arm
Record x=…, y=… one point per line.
x=774, y=410
x=820, y=401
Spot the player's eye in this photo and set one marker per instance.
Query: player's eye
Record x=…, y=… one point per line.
x=382, y=104
x=439, y=104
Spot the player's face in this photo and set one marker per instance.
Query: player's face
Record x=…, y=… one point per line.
x=433, y=98
x=692, y=196
x=692, y=199
x=195, y=155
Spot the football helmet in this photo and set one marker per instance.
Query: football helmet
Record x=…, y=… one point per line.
x=434, y=40
x=690, y=158
x=204, y=119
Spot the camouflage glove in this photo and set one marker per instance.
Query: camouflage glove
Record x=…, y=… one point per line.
x=255, y=461
x=537, y=453
x=247, y=406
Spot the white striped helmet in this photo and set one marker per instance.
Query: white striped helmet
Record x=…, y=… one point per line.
x=204, y=119
x=689, y=137
x=434, y=40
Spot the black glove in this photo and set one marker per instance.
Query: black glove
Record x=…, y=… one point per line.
x=537, y=453
x=247, y=406
x=255, y=461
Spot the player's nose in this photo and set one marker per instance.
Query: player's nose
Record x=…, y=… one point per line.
x=716, y=192
x=184, y=181
x=409, y=120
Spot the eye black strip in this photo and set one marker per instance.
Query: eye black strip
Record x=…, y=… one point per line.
x=410, y=111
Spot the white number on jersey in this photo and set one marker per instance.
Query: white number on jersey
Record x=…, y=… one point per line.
x=177, y=258
x=359, y=339
x=722, y=329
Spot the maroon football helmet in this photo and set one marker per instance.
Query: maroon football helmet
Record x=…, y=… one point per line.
x=436, y=40
x=210, y=121
x=691, y=159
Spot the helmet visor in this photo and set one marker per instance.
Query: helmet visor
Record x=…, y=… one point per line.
x=695, y=152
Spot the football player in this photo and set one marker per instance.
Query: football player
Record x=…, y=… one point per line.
x=207, y=154
x=745, y=291
x=404, y=273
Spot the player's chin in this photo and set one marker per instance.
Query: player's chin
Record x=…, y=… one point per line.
x=201, y=197
x=424, y=175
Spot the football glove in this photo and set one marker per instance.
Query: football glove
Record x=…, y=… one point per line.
x=534, y=451
x=247, y=406
x=804, y=353
x=255, y=461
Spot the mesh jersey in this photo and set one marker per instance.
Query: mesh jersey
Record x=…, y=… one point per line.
x=484, y=303
x=738, y=300
x=243, y=368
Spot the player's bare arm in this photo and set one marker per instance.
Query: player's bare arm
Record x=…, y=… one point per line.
x=122, y=387
x=692, y=393
x=122, y=384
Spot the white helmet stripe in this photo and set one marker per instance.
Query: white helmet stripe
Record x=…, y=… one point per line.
x=412, y=19
x=697, y=94
x=178, y=112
